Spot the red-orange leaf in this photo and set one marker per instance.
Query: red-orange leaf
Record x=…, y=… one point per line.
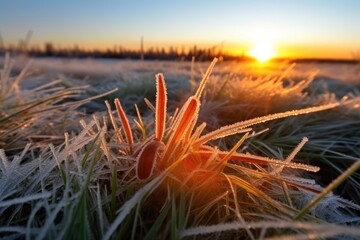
x=161, y=101
x=187, y=115
x=124, y=121
x=186, y=118
x=147, y=159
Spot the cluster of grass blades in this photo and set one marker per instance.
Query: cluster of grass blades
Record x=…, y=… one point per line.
x=333, y=146
x=166, y=179
x=334, y=142
x=270, y=93
x=39, y=115
x=188, y=182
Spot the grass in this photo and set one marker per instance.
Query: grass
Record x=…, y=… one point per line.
x=40, y=114
x=172, y=174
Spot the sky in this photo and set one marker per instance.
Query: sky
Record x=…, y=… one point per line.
x=304, y=29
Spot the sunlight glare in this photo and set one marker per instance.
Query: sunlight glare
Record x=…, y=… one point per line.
x=262, y=51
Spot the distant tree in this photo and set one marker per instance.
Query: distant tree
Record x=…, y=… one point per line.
x=49, y=49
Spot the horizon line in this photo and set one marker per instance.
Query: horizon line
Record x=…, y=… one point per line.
x=182, y=49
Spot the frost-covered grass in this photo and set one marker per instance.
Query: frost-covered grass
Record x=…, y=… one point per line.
x=188, y=164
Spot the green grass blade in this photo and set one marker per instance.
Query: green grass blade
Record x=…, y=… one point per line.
x=182, y=211
x=173, y=221
x=152, y=233
x=80, y=217
x=86, y=156
x=113, y=205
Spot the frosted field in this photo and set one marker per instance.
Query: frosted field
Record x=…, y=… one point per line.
x=106, y=74
x=64, y=166
x=130, y=69
x=252, y=89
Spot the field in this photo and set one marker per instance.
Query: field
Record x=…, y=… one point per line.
x=233, y=151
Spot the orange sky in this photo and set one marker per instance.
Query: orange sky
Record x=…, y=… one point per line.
x=303, y=29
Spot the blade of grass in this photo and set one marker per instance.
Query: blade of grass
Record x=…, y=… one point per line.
x=113, y=205
x=131, y=203
x=157, y=225
x=161, y=102
x=257, y=192
x=173, y=221
x=182, y=211
x=125, y=122
x=204, y=80
x=80, y=213
x=87, y=153
x=100, y=211
x=62, y=171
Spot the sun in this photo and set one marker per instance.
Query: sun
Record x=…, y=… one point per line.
x=262, y=51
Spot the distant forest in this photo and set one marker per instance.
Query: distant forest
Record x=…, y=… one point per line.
x=119, y=52
x=152, y=53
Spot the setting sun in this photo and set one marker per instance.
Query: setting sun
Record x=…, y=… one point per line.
x=262, y=51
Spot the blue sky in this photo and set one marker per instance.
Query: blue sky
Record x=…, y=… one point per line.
x=311, y=28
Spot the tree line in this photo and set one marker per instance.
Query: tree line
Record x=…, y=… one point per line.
x=119, y=52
